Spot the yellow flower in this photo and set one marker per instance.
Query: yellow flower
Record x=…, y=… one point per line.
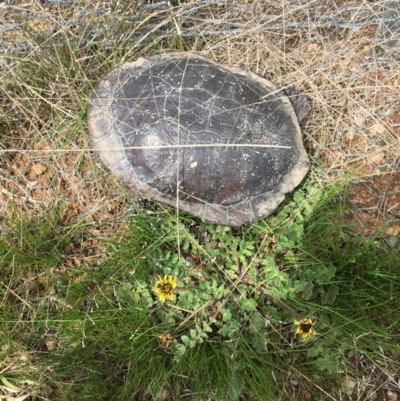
x=272, y=245
x=305, y=328
x=165, y=288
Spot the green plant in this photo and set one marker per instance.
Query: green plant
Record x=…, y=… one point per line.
x=249, y=286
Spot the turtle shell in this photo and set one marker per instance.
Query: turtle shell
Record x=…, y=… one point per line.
x=213, y=140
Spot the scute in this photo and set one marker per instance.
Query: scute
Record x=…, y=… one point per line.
x=225, y=141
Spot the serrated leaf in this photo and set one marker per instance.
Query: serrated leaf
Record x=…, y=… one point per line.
x=231, y=274
x=257, y=322
x=185, y=339
x=313, y=352
x=273, y=313
x=295, y=232
x=220, y=291
x=185, y=245
x=253, y=273
x=226, y=315
x=259, y=343
x=308, y=208
x=230, y=329
x=326, y=274
x=248, y=304
x=147, y=302
x=126, y=296
x=232, y=266
x=235, y=386
x=298, y=196
x=179, y=350
x=185, y=299
x=202, y=335
x=205, y=296
x=207, y=328
x=308, y=290
x=330, y=296
x=269, y=263
x=329, y=363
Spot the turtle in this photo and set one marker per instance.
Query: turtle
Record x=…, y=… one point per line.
x=217, y=141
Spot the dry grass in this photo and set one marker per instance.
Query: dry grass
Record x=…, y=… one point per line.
x=53, y=54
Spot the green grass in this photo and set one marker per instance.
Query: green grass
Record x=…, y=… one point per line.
x=91, y=329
